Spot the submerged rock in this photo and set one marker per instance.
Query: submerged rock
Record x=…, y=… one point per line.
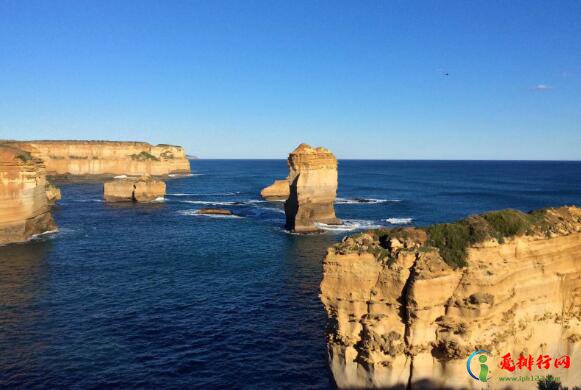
x=24, y=207
x=143, y=189
x=210, y=211
x=312, y=189
x=279, y=190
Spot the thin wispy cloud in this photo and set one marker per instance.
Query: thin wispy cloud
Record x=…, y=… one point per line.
x=542, y=88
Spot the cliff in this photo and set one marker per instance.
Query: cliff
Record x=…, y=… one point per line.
x=408, y=306
x=24, y=208
x=87, y=158
x=312, y=189
x=144, y=189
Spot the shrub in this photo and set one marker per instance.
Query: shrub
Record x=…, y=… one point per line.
x=143, y=156
x=452, y=239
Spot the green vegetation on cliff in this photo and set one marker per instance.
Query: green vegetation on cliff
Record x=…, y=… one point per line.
x=453, y=239
x=144, y=156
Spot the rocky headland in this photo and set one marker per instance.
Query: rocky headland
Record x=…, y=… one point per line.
x=407, y=306
x=312, y=189
x=95, y=158
x=24, y=196
x=143, y=189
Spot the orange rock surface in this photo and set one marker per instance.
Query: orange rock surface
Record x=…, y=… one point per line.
x=87, y=158
x=313, y=188
x=399, y=314
x=24, y=207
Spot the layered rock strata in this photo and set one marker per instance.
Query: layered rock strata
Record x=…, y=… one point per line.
x=89, y=158
x=24, y=207
x=312, y=189
x=407, y=306
x=143, y=189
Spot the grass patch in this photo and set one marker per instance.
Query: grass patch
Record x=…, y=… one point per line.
x=453, y=239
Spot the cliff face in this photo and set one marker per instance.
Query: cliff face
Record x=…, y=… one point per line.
x=400, y=311
x=144, y=189
x=106, y=157
x=312, y=189
x=24, y=208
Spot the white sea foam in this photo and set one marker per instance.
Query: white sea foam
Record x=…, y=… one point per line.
x=211, y=202
x=43, y=234
x=160, y=199
x=184, y=174
x=399, y=221
x=364, y=201
x=120, y=177
x=196, y=213
x=202, y=194
x=349, y=225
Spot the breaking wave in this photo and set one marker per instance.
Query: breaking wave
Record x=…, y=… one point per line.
x=195, y=213
x=349, y=225
x=364, y=201
x=208, y=194
x=399, y=221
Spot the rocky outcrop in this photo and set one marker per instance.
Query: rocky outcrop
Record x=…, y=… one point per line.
x=312, y=189
x=53, y=193
x=143, y=189
x=89, y=158
x=208, y=211
x=407, y=306
x=279, y=190
x=24, y=208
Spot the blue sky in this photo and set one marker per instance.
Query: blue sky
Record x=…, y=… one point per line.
x=252, y=79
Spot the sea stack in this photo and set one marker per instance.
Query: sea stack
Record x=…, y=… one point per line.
x=139, y=189
x=24, y=206
x=408, y=306
x=312, y=189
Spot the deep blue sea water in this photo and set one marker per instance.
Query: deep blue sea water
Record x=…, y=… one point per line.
x=153, y=296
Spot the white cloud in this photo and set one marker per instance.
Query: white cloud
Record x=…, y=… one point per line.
x=542, y=87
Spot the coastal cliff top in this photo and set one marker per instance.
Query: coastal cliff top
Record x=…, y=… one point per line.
x=453, y=240
x=10, y=154
x=89, y=142
x=307, y=157
x=308, y=149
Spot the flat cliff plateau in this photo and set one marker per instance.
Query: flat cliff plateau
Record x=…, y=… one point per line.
x=24, y=191
x=407, y=306
x=93, y=158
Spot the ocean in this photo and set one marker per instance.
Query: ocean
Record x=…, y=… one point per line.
x=154, y=296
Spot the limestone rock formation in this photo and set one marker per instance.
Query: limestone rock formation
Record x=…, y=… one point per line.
x=401, y=311
x=312, y=189
x=139, y=189
x=53, y=193
x=279, y=190
x=89, y=158
x=24, y=208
